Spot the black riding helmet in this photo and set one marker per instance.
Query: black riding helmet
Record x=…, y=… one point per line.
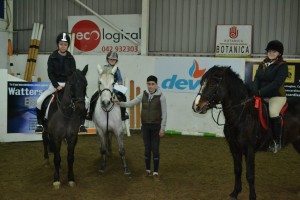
x=275, y=45
x=63, y=37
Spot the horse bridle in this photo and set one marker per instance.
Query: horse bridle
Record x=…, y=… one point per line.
x=211, y=101
x=73, y=103
x=112, y=94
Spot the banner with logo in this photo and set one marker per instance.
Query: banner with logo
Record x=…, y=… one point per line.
x=21, y=105
x=292, y=83
x=94, y=36
x=234, y=41
x=184, y=74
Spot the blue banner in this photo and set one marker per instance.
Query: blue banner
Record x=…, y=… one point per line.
x=21, y=100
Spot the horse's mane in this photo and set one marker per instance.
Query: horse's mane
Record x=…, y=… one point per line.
x=235, y=85
x=107, y=70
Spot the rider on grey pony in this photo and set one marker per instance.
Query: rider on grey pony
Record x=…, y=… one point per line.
x=112, y=60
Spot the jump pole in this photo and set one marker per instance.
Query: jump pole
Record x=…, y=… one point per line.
x=30, y=51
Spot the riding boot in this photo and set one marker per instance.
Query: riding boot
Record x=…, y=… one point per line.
x=93, y=103
x=122, y=97
x=124, y=114
x=40, y=116
x=82, y=127
x=276, y=130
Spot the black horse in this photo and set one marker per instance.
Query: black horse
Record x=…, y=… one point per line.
x=242, y=129
x=64, y=118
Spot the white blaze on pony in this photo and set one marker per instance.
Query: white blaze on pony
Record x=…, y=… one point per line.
x=197, y=99
x=107, y=117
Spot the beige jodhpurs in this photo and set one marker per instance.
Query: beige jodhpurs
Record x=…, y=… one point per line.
x=275, y=105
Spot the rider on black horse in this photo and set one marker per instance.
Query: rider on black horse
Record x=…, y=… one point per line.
x=269, y=84
x=112, y=60
x=60, y=63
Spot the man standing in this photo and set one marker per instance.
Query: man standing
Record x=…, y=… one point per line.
x=154, y=118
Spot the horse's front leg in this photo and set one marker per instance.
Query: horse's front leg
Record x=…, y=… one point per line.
x=57, y=160
x=250, y=173
x=237, y=160
x=103, y=150
x=72, y=141
x=46, y=146
x=119, y=136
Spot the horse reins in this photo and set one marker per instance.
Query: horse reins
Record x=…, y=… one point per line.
x=237, y=105
x=72, y=105
x=110, y=109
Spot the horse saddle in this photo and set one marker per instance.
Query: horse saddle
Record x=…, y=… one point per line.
x=49, y=100
x=263, y=110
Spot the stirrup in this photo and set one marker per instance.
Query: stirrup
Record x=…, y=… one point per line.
x=125, y=117
x=82, y=129
x=39, y=129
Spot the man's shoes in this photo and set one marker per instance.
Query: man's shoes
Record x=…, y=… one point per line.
x=39, y=129
x=147, y=173
x=156, y=176
x=82, y=129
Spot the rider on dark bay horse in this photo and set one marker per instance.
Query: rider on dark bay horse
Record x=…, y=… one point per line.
x=269, y=84
x=60, y=63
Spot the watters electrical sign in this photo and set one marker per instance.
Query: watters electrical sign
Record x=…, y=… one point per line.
x=93, y=36
x=184, y=74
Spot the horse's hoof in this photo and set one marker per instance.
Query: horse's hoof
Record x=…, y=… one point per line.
x=72, y=183
x=46, y=163
x=56, y=185
x=127, y=172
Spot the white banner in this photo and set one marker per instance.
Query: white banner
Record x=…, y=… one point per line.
x=234, y=40
x=184, y=74
x=94, y=36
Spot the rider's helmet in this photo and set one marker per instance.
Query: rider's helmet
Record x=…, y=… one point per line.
x=275, y=45
x=112, y=55
x=63, y=37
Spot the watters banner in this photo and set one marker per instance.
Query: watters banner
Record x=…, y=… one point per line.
x=94, y=36
x=21, y=102
x=184, y=74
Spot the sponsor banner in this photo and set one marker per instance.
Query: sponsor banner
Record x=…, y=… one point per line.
x=94, y=36
x=184, y=74
x=234, y=41
x=21, y=105
x=292, y=82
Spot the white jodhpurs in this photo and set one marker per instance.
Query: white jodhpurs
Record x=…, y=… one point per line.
x=46, y=93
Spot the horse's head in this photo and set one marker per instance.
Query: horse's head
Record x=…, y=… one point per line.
x=75, y=89
x=105, y=84
x=210, y=92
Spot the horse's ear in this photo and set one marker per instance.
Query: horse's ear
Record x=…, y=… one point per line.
x=114, y=69
x=100, y=69
x=85, y=69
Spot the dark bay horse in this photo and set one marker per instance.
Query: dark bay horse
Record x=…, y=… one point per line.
x=242, y=129
x=63, y=123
